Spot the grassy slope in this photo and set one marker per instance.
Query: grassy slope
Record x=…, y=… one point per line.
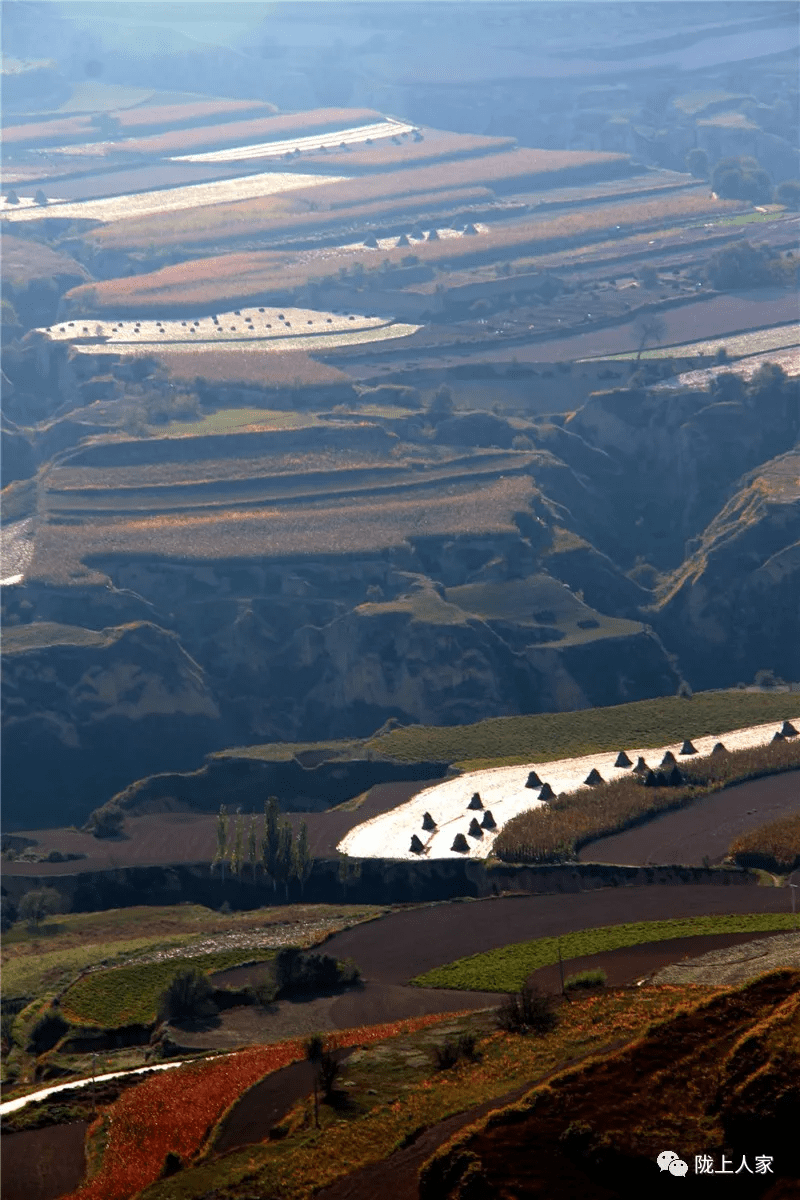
x=715, y=1078
x=545, y=737
x=506, y=968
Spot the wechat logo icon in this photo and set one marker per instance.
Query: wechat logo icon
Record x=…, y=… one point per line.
x=669, y=1161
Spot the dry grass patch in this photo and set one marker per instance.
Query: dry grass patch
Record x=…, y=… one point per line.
x=774, y=846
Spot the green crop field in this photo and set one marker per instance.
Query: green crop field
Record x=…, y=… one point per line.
x=506, y=968
x=226, y=419
x=545, y=737
x=129, y=995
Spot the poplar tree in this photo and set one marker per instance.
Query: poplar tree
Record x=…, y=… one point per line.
x=238, y=848
x=303, y=862
x=269, y=843
x=222, y=839
x=252, y=846
x=285, y=857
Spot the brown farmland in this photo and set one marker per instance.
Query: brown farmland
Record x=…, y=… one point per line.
x=241, y=132
x=387, y=154
x=214, y=279
x=317, y=527
x=711, y=828
x=278, y=213
x=229, y=365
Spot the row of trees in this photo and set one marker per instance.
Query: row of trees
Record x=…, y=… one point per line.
x=742, y=178
x=271, y=849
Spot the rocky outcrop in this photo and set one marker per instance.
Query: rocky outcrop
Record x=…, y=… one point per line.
x=83, y=711
x=735, y=602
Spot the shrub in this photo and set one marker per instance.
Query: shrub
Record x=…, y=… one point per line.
x=47, y=1032
x=40, y=903
x=445, y=1056
x=106, y=822
x=788, y=194
x=328, y=1071
x=187, y=996
x=527, y=1011
x=8, y=913
x=583, y=980
x=297, y=973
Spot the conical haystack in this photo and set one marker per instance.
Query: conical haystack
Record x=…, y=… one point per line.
x=641, y=767
x=488, y=821
x=476, y=801
x=474, y=828
x=688, y=748
x=788, y=730
x=547, y=792
x=719, y=748
x=428, y=821
x=533, y=780
x=622, y=760
x=668, y=760
x=416, y=845
x=460, y=843
x=675, y=779
x=650, y=779
x=594, y=777
x=779, y=737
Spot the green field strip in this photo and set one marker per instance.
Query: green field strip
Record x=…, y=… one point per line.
x=129, y=995
x=547, y=737
x=506, y=968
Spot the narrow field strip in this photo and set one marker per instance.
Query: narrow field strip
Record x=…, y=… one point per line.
x=506, y=968
x=298, y=145
x=193, y=195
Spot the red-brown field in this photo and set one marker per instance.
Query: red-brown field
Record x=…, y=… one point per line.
x=229, y=365
x=35, y=132
x=177, y=114
x=703, y=830
x=436, y=144
x=214, y=280
x=278, y=213
x=241, y=132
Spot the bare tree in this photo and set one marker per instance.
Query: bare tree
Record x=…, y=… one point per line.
x=649, y=330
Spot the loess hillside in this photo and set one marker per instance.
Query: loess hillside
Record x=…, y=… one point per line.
x=433, y=404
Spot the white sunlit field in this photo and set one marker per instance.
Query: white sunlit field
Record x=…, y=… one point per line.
x=738, y=345
x=787, y=360
x=297, y=145
x=503, y=793
x=275, y=330
x=140, y=204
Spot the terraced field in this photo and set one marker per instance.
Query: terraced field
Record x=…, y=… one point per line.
x=270, y=515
